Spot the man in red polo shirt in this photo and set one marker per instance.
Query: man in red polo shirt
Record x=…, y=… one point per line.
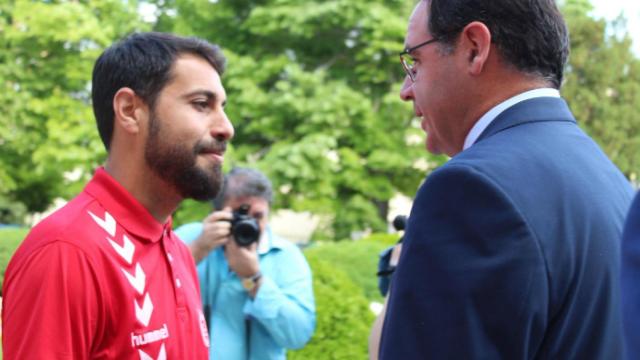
x=105, y=277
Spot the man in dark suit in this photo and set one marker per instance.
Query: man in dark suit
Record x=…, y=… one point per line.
x=512, y=247
x=631, y=280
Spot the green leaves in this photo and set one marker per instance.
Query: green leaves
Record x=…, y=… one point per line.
x=603, y=84
x=47, y=129
x=312, y=92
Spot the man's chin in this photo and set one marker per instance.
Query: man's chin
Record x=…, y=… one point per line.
x=201, y=193
x=201, y=184
x=432, y=146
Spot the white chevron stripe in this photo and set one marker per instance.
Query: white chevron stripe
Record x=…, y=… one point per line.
x=144, y=314
x=108, y=223
x=162, y=355
x=139, y=281
x=127, y=249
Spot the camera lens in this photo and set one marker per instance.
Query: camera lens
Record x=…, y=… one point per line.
x=244, y=228
x=246, y=232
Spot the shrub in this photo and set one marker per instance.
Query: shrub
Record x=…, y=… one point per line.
x=343, y=317
x=11, y=211
x=10, y=238
x=358, y=259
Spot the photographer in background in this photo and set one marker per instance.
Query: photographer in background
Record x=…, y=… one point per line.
x=256, y=287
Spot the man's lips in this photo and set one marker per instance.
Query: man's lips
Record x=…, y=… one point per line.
x=216, y=152
x=216, y=155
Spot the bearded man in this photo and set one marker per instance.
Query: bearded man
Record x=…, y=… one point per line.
x=105, y=276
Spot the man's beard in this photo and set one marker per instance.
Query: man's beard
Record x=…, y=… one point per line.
x=176, y=164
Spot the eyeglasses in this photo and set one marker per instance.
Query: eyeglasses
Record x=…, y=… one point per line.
x=407, y=61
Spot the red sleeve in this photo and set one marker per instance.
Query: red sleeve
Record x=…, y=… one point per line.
x=50, y=305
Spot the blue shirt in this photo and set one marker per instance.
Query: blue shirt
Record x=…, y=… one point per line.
x=282, y=315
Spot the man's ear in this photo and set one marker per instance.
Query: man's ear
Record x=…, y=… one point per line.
x=128, y=108
x=476, y=41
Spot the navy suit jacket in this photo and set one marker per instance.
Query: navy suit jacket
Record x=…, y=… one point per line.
x=512, y=249
x=631, y=280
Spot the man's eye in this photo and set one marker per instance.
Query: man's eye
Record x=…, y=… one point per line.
x=257, y=216
x=201, y=105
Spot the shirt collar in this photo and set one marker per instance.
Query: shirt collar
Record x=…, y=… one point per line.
x=269, y=241
x=127, y=211
x=490, y=115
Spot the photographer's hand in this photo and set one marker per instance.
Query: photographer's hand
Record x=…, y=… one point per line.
x=243, y=260
x=215, y=232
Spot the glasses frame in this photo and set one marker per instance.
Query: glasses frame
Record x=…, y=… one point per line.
x=407, y=51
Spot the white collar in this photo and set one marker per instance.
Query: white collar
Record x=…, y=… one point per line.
x=264, y=243
x=490, y=115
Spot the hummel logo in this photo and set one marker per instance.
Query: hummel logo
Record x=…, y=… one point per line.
x=138, y=281
x=126, y=250
x=108, y=224
x=144, y=314
x=162, y=355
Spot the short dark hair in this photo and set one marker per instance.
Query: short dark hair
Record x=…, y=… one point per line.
x=530, y=34
x=244, y=182
x=142, y=62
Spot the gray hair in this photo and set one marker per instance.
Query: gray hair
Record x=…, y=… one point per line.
x=244, y=182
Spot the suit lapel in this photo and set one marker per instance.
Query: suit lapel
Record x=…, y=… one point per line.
x=532, y=110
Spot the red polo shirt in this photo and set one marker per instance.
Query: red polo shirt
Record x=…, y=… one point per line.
x=102, y=279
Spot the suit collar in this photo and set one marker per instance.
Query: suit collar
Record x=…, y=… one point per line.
x=532, y=110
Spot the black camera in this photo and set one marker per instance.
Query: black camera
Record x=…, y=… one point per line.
x=244, y=228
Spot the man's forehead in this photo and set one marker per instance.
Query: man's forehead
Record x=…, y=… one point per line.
x=192, y=71
x=246, y=199
x=417, y=28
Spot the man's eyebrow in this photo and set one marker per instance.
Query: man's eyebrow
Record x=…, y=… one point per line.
x=210, y=95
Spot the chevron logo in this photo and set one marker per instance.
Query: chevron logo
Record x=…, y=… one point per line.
x=126, y=250
x=143, y=314
x=138, y=281
x=162, y=355
x=108, y=223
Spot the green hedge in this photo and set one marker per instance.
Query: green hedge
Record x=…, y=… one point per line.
x=358, y=259
x=344, y=283
x=10, y=238
x=343, y=317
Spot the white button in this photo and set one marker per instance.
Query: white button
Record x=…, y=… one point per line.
x=169, y=257
x=178, y=282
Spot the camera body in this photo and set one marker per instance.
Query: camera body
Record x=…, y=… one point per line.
x=244, y=228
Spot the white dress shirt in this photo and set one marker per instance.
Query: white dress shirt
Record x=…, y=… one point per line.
x=490, y=115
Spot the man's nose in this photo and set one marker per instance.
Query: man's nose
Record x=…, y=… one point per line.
x=222, y=128
x=406, y=92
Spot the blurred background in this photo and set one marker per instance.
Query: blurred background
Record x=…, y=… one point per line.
x=313, y=95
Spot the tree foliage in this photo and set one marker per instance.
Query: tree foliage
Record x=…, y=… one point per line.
x=312, y=92
x=47, y=130
x=603, y=84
